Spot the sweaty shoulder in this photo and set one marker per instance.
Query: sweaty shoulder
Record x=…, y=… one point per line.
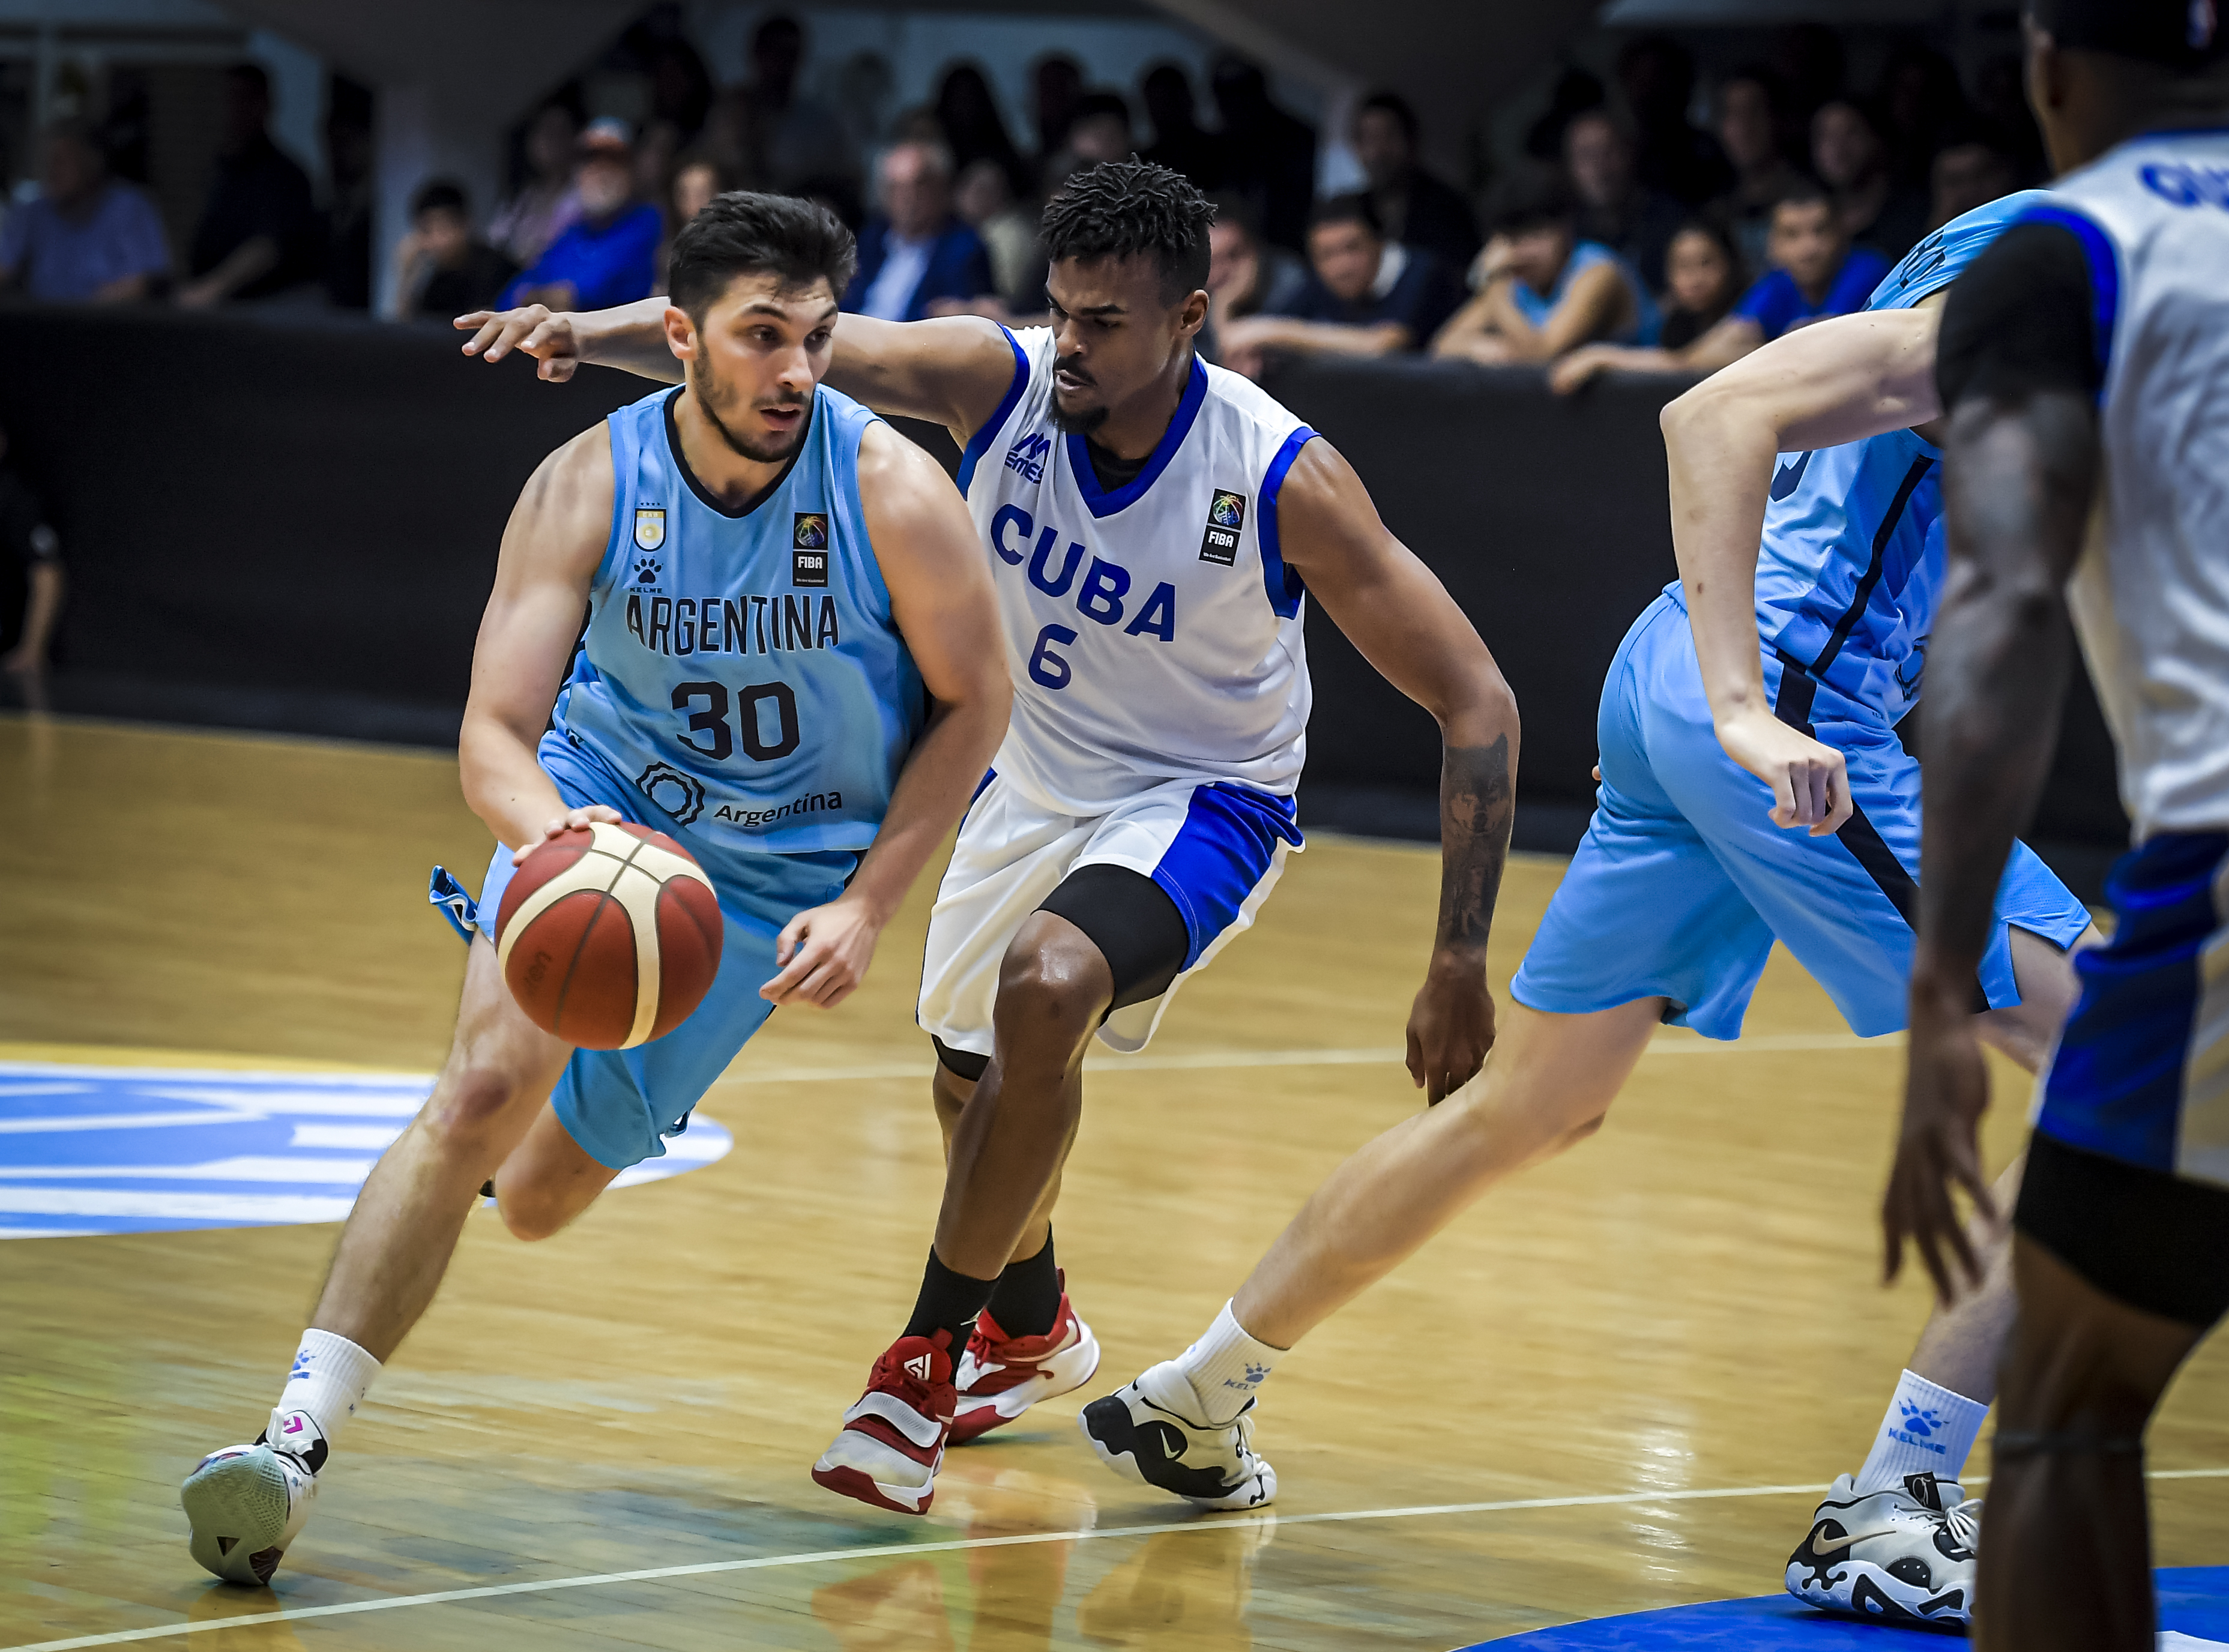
x=570, y=492
x=901, y=486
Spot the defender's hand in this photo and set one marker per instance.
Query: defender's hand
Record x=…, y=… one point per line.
x=1450, y=1025
x=1946, y=1090
x=550, y=339
x=825, y=951
x=1810, y=782
x=571, y=820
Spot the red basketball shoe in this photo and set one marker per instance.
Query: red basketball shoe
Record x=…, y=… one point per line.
x=893, y=1438
x=1000, y=1377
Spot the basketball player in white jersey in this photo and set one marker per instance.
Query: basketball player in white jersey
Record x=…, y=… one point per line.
x=1155, y=527
x=785, y=603
x=2085, y=363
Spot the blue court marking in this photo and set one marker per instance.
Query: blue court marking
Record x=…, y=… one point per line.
x=154, y=1150
x=2194, y=1601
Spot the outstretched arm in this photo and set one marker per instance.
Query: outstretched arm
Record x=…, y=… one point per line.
x=551, y=549
x=952, y=371
x=939, y=586
x=2021, y=372
x=1839, y=382
x=1407, y=626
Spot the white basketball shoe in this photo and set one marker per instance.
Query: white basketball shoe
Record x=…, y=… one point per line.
x=1905, y=1555
x=246, y=1503
x=1147, y=1429
x=1000, y=1377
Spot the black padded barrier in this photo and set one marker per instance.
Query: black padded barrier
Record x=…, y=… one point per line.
x=292, y=522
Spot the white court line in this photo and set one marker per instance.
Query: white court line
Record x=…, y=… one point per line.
x=885, y=1550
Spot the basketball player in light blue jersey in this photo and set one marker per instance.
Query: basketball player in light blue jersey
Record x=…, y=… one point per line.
x=1753, y=788
x=790, y=666
x=1155, y=528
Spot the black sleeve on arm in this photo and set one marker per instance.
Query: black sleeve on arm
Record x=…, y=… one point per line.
x=2020, y=319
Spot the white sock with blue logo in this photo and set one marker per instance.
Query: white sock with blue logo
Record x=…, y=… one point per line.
x=1928, y=1431
x=1225, y=1367
x=329, y=1380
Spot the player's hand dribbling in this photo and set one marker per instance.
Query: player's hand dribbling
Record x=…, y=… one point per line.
x=571, y=820
x=1810, y=781
x=1450, y=1025
x=532, y=328
x=824, y=951
x=1946, y=1091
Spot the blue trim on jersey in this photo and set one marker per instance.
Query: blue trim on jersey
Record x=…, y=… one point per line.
x=2104, y=275
x=1939, y=259
x=1281, y=584
x=1101, y=504
x=980, y=443
x=2116, y=1085
x=1220, y=855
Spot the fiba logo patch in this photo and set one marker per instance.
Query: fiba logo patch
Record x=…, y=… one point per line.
x=650, y=526
x=808, y=556
x=1226, y=516
x=678, y=794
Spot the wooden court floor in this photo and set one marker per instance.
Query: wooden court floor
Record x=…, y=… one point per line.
x=1592, y=1396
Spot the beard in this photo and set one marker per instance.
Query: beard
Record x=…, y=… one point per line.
x=770, y=450
x=1081, y=423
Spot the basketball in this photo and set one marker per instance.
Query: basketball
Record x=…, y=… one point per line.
x=609, y=936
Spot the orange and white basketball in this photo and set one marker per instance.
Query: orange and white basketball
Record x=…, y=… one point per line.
x=609, y=936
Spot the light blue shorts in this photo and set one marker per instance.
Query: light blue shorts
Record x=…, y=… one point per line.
x=620, y=1104
x=1683, y=882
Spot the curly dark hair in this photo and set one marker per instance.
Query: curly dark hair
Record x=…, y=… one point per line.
x=1119, y=208
x=743, y=234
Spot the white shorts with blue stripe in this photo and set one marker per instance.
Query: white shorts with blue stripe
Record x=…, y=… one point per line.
x=1216, y=849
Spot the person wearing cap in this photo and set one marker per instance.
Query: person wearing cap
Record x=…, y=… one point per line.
x=609, y=255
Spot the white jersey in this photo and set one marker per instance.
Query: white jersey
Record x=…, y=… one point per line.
x=1154, y=631
x=2151, y=595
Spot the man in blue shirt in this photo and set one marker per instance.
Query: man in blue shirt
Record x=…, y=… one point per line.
x=915, y=259
x=87, y=237
x=610, y=255
x=1365, y=295
x=1816, y=271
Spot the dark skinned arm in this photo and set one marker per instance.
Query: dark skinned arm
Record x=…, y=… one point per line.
x=2019, y=476
x=1406, y=624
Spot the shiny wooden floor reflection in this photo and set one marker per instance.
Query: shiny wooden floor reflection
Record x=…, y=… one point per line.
x=1687, y=1304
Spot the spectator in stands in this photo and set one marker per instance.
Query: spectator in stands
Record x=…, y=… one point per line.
x=1748, y=133
x=86, y=237
x=1419, y=211
x=1364, y=295
x=1179, y=142
x=1703, y=278
x=609, y=255
x=1921, y=103
x=259, y=232
x=1269, y=158
x=349, y=160
x=548, y=205
x=1057, y=88
x=1577, y=90
x=1245, y=274
x=441, y=268
x=1635, y=223
x=916, y=258
x=1816, y=273
x=1101, y=131
x=1541, y=290
x=1809, y=66
x=31, y=578
x=968, y=119
x=985, y=200
x=697, y=179
x=1657, y=75
x=807, y=148
x=1847, y=155
x=1972, y=170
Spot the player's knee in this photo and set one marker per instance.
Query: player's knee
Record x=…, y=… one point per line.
x=471, y=1107
x=1579, y=1132
x=1048, y=989
x=531, y=1216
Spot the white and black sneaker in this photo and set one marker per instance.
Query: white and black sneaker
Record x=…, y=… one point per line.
x=1905, y=1555
x=1146, y=1429
x=245, y=1503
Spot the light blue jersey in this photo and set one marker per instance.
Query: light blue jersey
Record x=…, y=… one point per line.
x=1851, y=565
x=741, y=668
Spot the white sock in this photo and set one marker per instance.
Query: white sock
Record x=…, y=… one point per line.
x=1928, y=1431
x=1225, y=1367
x=330, y=1378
